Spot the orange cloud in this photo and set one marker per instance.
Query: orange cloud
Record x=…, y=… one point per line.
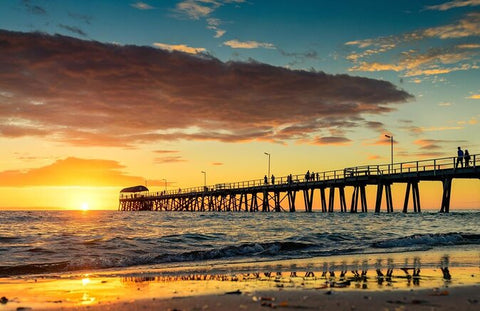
x=179, y=47
x=72, y=172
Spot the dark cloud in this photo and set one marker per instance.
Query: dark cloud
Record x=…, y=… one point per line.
x=91, y=93
x=431, y=145
x=73, y=29
x=332, y=140
x=299, y=57
x=87, y=19
x=375, y=125
x=33, y=8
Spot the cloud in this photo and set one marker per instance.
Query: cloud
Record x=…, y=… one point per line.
x=381, y=140
x=466, y=27
x=196, y=9
x=34, y=9
x=217, y=163
x=441, y=128
x=469, y=46
x=414, y=62
x=179, y=47
x=474, y=96
x=235, y=44
x=213, y=24
x=299, y=57
x=429, y=144
x=166, y=151
x=172, y=159
x=89, y=93
x=453, y=4
x=142, y=6
x=87, y=19
x=73, y=29
x=72, y=172
x=332, y=140
x=433, y=62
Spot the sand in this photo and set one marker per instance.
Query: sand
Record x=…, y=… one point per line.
x=458, y=298
x=441, y=280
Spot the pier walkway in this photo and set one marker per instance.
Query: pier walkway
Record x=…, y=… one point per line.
x=258, y=195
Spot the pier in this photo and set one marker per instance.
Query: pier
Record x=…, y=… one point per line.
x=280, y=196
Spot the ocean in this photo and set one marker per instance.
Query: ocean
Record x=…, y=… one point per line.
x=38, y=242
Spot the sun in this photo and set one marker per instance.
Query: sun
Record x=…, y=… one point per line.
x=85, y=206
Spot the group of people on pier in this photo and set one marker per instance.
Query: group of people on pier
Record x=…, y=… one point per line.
x=309, y=176
x=463, y=156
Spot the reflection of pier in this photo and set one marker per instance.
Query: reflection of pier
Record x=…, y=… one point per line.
x=264, y=195
x=403, y=276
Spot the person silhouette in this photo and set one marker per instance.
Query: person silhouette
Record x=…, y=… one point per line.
x=459, y=157
x=466, y=157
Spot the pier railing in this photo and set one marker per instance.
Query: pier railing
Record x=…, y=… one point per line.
x=345, y=173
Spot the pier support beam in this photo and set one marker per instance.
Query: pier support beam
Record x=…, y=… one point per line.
x=331, y=199
x=265, y=203
x=415, y=196
x=254, y=203
x=388, y=197
x=322, y=199
x=358, y=192
x=308, y=198
x=292, y=194
x=447, y=189
x=276, y=198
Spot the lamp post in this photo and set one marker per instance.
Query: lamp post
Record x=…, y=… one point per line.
x=268, y=154
x=204, y=179
x=165, y=184
x=391, y=151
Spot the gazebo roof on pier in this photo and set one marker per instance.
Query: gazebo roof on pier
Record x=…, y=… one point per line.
x=139, y=188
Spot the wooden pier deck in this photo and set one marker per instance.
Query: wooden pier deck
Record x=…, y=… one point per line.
x=258, y=195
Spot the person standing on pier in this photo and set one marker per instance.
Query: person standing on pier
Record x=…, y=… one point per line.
x=459, y=157
x=273, y=179
x=265, y=179
x=466, y=157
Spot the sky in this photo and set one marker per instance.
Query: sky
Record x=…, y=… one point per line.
x=96, y=96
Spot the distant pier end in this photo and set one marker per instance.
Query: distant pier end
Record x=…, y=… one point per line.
x=265, y=196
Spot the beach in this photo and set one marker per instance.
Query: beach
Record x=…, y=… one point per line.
x=100, y=260
x=422, y=280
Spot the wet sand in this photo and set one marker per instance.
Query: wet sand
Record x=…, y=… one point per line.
x=458, y=298
x=440, y=280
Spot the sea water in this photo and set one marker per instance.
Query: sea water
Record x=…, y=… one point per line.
x=34, y=242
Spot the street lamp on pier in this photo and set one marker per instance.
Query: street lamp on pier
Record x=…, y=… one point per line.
x=391, y=151
x=268, y=154
x=204, y=179
x=165, y=184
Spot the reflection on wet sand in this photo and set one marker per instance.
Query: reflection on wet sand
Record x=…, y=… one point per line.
x=331, y=275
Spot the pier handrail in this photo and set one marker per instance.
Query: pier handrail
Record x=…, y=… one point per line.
x=436, y=164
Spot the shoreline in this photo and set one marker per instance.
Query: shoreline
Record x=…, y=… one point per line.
x=451, y=273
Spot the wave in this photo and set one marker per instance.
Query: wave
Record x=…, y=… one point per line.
x=434, y=239
x=117, y=260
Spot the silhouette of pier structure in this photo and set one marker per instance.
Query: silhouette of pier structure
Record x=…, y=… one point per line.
x=263, y=195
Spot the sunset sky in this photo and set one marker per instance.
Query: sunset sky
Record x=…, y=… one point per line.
x=100, y=95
